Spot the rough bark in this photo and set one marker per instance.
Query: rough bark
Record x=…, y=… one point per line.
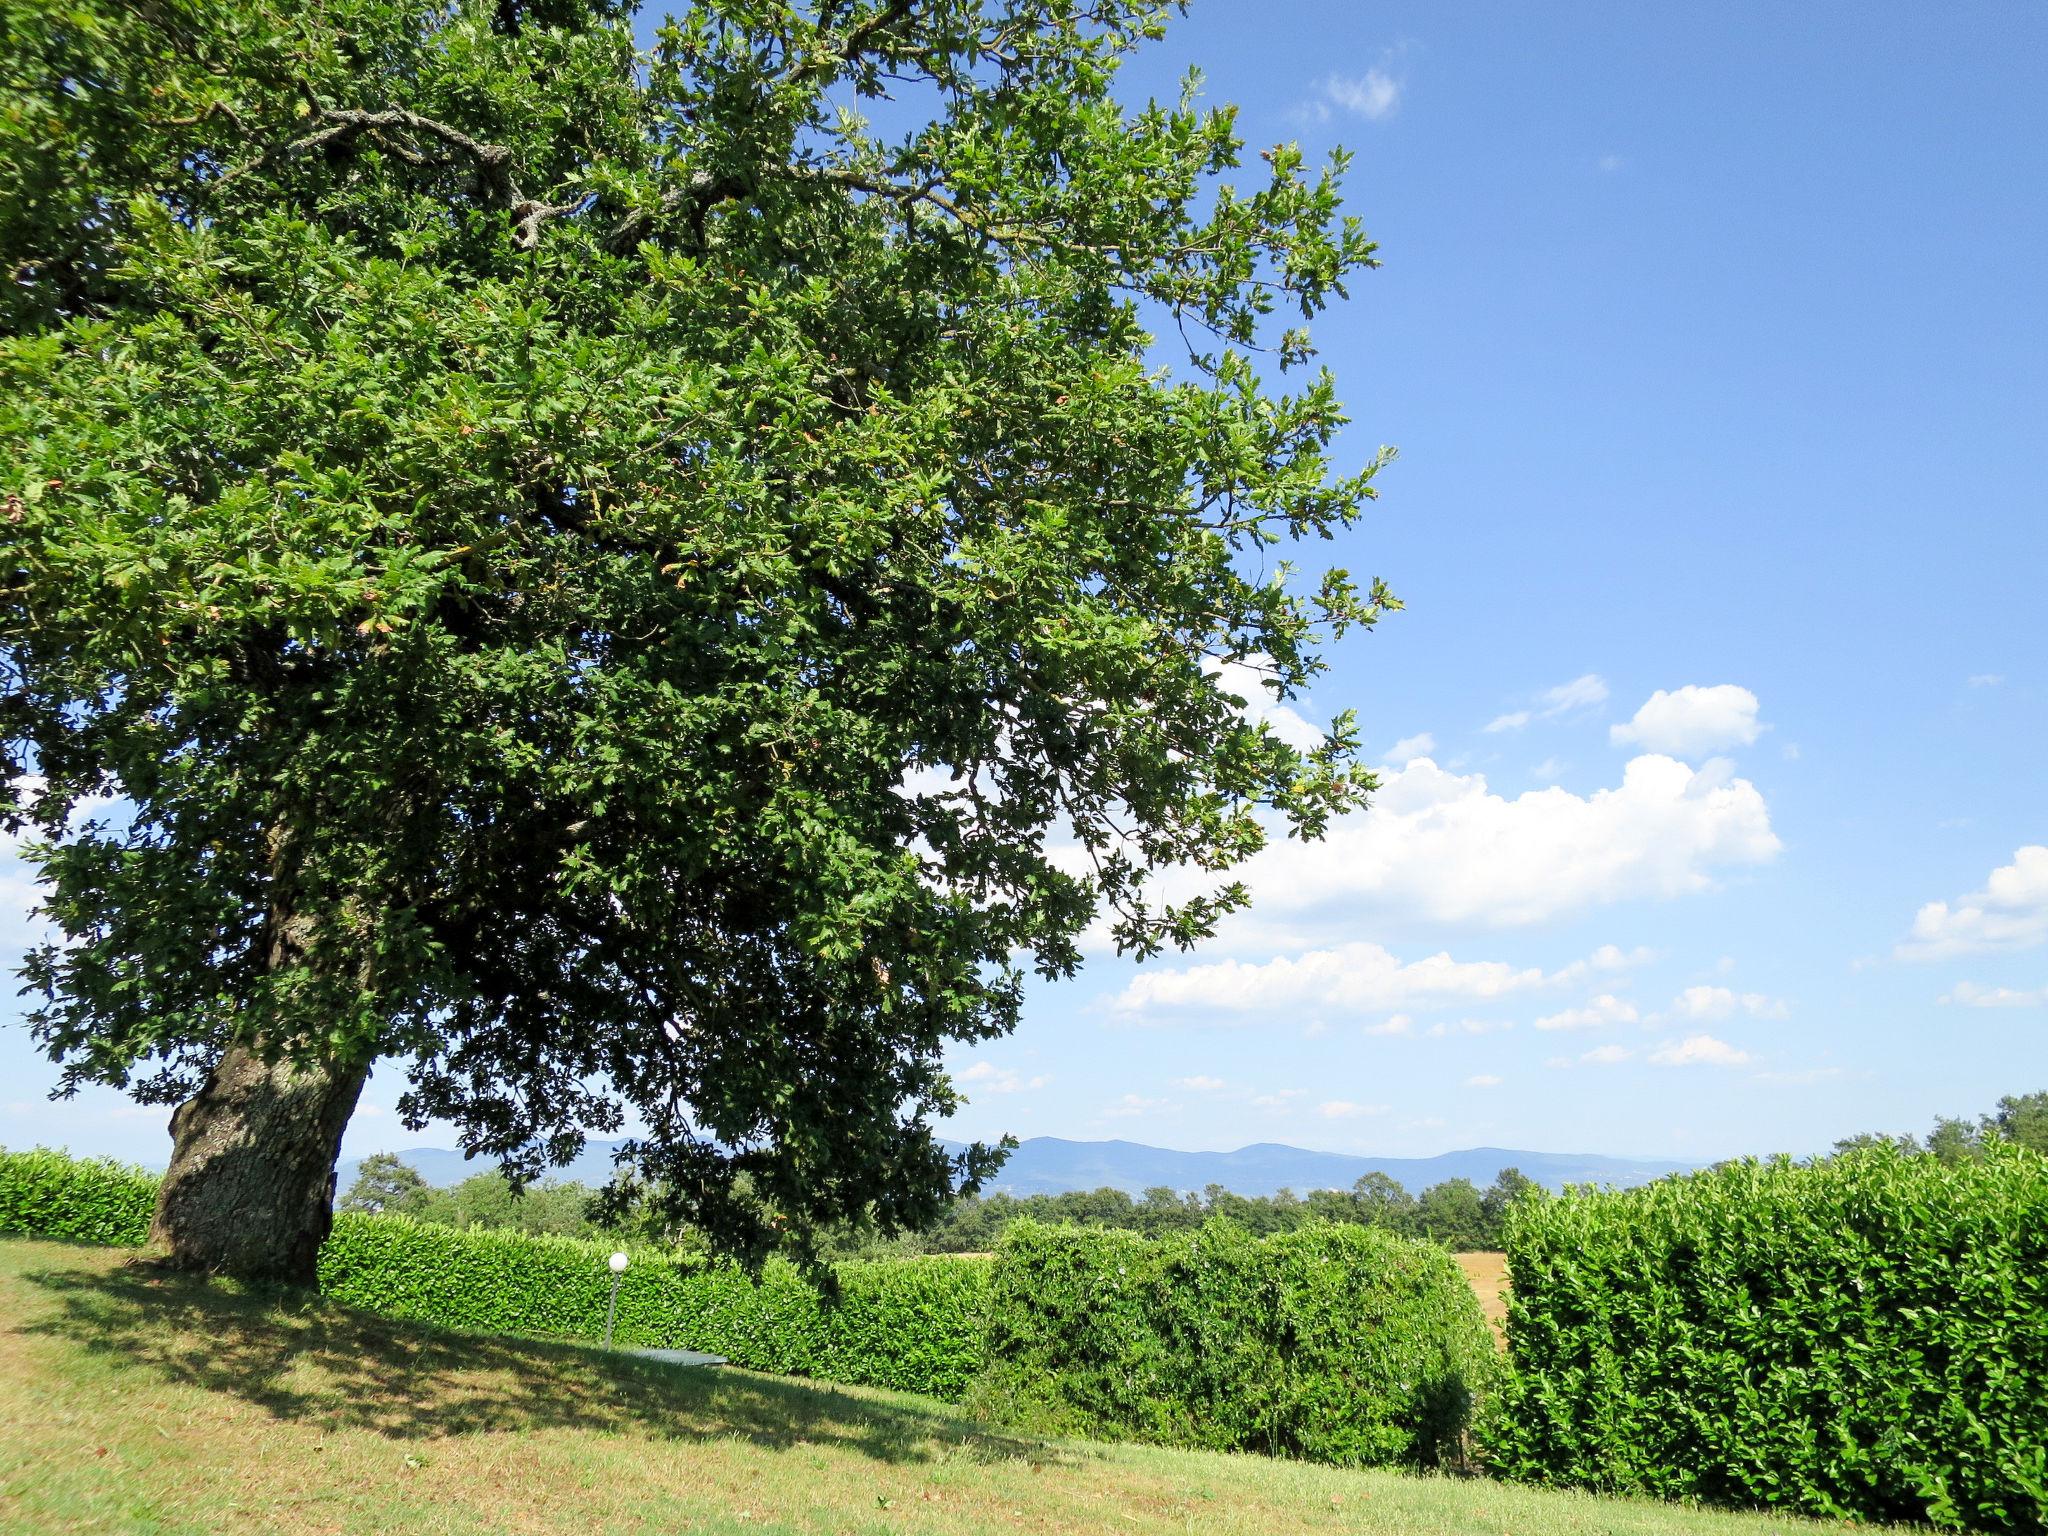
x=250, y=1190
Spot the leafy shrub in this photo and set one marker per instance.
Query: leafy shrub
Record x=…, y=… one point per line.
x=1862, y=1337
x=910, y=1324
x=90, y=1200
x=1334, y=1343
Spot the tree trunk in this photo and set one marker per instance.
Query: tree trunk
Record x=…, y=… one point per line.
x=250, y=1190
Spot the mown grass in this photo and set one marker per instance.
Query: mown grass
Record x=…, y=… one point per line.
x=136, y=1401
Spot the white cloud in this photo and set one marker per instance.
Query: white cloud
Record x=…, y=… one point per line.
x=1445, y=1027
x=1398, y=1024
x=1986, y=679
x=1698, y=1051
x=1602, y=1010
x=1344, y=1109
x=1609, y=164
x=1692, y=721
x=1607, y=1055
x=1374, y=95
x=1362, y=977
x=986, y=1077
x=1549, y=769
x=1246, y=681
x=1279, y=1099
x=1443, y=847
x=1132, y=1104
x=1483, y=1080
x=2011, y=912
x=1582, y=692
x=1608, y=957
x=1968, y=994
x=1709, y=1003
x=1421, y=744
x=1199, y=1084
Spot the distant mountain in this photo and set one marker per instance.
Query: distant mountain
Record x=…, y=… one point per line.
x=1047, y=1165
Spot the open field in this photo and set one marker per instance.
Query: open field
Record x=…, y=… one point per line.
x=1487, y=1274
x=131, y=1401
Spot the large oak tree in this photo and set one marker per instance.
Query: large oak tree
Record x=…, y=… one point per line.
x=651, y=587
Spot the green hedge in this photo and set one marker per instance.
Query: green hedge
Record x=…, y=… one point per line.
x=910, y=1324
x=89, y=1200
x=1865, y=1337
x=1334, y=1343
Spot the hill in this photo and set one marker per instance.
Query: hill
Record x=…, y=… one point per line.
x=137, y=1401
x=1048, y=1165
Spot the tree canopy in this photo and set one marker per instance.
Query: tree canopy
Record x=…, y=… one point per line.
x=610, y=578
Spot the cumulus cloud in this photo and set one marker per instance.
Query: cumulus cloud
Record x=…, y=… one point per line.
x=986, y=1077
x=1246, y=681
x=1360, y=977
x=1421, y=744
x=1968, y=994
x=1483, y=1080
x=1344, y=1109
x=2011, y=912
x=1692, y=721
x=1198, y=1084
x=1603, y=1010
x=1444, y=847
x=1698, y=1051
x=1709, y=1003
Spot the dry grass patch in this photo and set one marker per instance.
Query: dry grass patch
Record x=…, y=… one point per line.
x=138, y=1402
x=1487, y=1274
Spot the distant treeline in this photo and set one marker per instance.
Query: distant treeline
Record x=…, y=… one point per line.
x=1455, y=1213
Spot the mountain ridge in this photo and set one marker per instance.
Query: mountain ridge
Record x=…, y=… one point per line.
x=1045, y=1165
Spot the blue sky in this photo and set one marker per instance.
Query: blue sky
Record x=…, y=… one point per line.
x=1715, y=344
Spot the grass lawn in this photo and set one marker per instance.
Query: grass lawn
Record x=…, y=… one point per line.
x=133, y=1401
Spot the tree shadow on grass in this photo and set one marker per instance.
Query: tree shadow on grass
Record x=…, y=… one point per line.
x=305, y=1360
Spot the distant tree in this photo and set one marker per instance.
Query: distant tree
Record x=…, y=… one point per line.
x=1954, y=1141
x=387, y=1185
x=1903, y=1140
x=1451, y=1213
x=1508, y=1186
x=554, y=1207
x=1380, y=1200
x=2021, y=1118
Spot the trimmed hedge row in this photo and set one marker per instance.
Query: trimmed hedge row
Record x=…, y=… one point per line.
x=1864, y=1337
x=914, y=1325
x=1334, y=1343
x=909, y=1324
x=88, y=1200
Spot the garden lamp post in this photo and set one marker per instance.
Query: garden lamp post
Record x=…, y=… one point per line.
x=618, y=1265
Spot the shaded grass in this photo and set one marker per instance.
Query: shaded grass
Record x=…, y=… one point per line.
x=133, y=1400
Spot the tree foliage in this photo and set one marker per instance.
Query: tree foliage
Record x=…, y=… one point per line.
x=608, y=577
x=386, y=1185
